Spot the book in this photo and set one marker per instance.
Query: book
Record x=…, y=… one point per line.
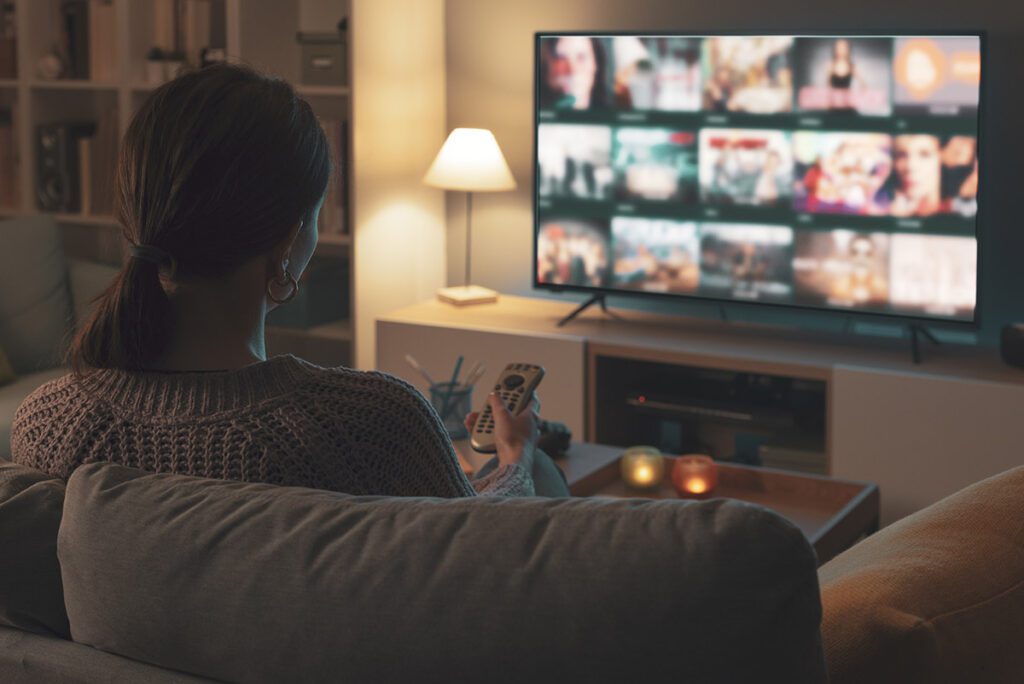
x=102, y=41
x=8, y=41
x=103, y=156
x=85, y=175
x=9, y=181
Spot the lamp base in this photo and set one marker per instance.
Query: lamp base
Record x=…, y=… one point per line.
x=467, y=295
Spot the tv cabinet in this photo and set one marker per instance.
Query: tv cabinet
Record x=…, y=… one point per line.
x=920, y=431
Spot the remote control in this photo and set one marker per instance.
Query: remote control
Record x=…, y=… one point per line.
x=515, y=387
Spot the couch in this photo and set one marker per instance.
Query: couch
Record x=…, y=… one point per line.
x=123, y=576
x=42, y=296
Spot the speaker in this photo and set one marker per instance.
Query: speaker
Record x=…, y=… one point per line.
x=58, y=185
x=1012, y=344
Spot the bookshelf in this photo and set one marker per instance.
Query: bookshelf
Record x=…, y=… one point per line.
x=260, y=33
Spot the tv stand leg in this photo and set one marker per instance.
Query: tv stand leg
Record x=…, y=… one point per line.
x=915, y=345
x=594, y=299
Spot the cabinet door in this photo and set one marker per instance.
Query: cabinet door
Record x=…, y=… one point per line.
x=922, y=438
x=436, y=348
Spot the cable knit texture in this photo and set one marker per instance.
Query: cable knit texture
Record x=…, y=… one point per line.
x=282, y=421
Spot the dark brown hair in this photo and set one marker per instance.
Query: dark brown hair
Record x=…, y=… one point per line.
x=216, y=168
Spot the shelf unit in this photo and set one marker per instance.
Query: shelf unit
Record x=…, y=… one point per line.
x=260, y=33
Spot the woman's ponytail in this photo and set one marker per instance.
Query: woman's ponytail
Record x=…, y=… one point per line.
x=130, y=323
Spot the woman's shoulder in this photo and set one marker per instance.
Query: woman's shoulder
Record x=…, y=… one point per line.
x=54, y=393
x=374, y=387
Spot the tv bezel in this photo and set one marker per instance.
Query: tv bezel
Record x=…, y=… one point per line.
x=952, y=323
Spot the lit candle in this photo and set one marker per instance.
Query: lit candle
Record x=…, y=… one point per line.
x=695, y=476
x=643, y=467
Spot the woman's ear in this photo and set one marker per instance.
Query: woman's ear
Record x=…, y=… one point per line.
x=280, y=257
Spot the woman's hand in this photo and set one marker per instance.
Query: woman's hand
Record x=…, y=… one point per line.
x=515, y=436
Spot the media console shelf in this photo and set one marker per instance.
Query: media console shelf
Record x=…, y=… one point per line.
x=920, y=432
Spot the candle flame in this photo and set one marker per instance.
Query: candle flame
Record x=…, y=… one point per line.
x=696, y=485
x=643, y=474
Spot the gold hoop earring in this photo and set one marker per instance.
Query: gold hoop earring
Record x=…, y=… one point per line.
x=289, y=280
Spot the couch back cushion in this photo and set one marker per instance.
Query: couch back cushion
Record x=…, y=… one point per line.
x=31, y=597
x=255, y=583
x=935, y=597
x=35, y=306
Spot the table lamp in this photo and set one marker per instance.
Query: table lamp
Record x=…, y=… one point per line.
x=470, y=160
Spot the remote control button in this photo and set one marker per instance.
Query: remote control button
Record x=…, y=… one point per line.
x=513, y=381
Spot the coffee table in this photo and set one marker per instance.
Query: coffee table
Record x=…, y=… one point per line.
x=833, y=514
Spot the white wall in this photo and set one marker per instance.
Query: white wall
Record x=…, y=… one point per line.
x=398, y=85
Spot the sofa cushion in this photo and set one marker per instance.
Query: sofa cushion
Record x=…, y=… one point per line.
x=11, y=397
x=31, y=597
x=936, y=597
x=256, y=583
x=35, y=307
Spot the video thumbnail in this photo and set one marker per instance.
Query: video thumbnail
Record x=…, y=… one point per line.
x=574, y=73
x=746, y=261
x=842, y=268
x=933, y=274
x=575, y=161
x=658, y=73
x=745, y=166
x=933, y=175
x=655, y=164
x=748, y=74
x=655, y=255
x=844, y=75
x=573, y=252
x=841, y=173
x=937, y=75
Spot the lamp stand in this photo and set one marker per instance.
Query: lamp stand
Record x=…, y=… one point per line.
x=466, y=294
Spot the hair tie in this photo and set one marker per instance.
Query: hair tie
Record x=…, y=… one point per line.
x=154, y=255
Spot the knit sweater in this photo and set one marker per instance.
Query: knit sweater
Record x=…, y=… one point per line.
x=282, y=421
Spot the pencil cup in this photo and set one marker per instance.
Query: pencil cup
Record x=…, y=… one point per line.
x=452, y=403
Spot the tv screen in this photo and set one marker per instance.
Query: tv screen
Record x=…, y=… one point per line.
x=833, y=172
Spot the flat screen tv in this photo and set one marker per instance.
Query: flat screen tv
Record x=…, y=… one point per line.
x=823, y=171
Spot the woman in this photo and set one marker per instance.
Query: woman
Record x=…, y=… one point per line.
x=220, y=179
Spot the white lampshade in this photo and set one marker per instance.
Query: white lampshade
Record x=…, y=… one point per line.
x=470, y=160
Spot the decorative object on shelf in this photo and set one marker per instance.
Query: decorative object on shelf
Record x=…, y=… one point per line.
x=643, y=467
x=174, y=64
x=695, y=476
x=470, y=160
x=50, y=66
x=155, y=65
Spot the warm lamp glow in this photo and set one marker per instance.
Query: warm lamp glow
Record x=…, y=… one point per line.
x=470, y=160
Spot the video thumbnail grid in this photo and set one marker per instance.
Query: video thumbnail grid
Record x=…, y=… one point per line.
x=834, y=172
x=882, y=272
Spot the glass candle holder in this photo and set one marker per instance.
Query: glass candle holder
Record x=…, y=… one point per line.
x=694, y=476
x=643, y=467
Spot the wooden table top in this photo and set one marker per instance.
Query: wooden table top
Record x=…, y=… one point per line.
x=833, y=514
